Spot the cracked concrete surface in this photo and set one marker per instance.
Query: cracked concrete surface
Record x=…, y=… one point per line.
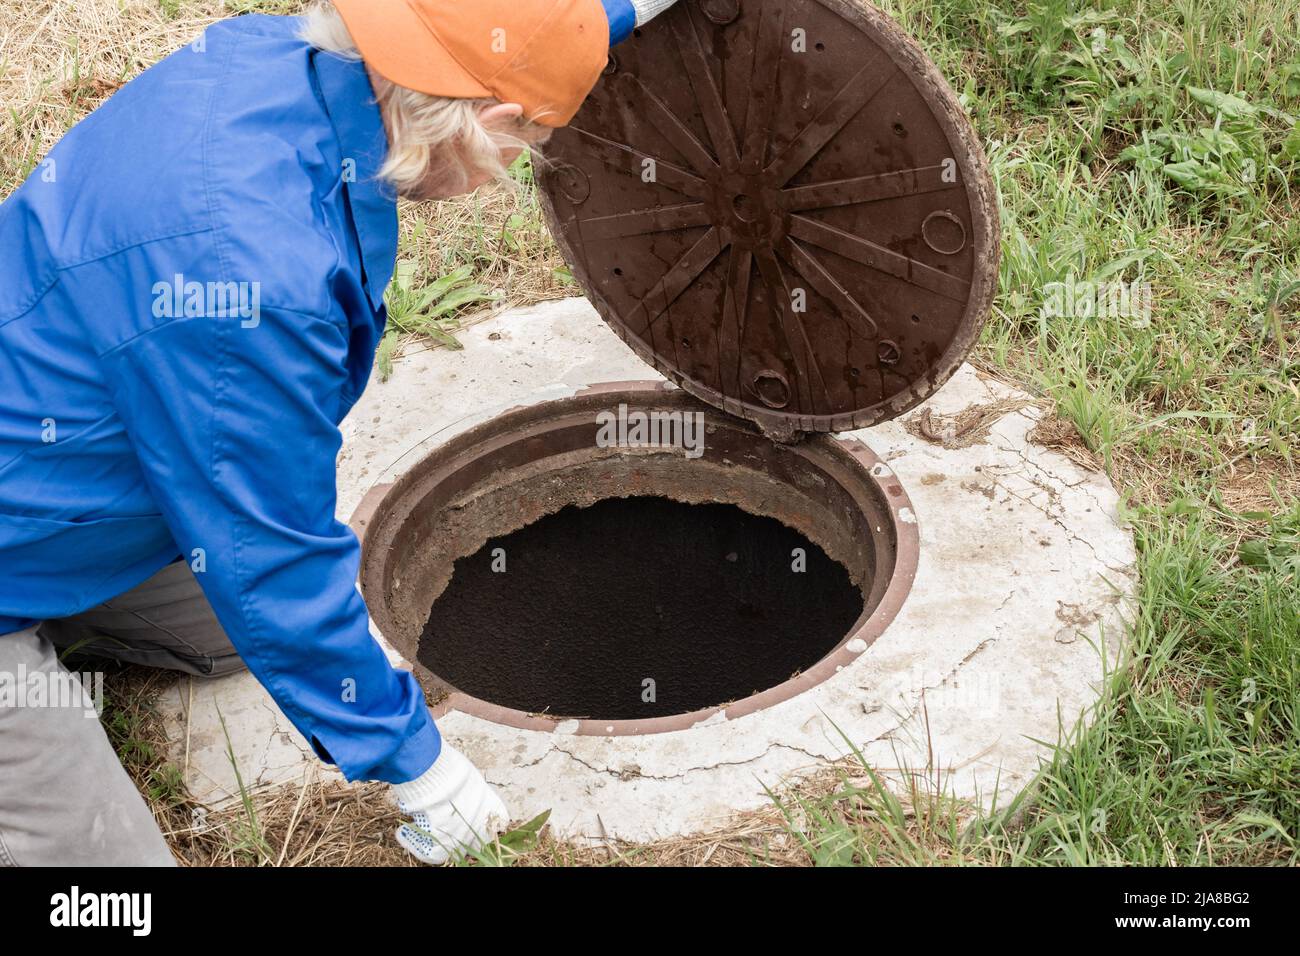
x=1025, y=580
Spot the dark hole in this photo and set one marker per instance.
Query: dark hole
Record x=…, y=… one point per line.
x=821, y=47
x=618, y=272
x=701, y=599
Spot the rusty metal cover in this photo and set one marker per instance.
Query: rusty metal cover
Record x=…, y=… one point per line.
x=782, y=208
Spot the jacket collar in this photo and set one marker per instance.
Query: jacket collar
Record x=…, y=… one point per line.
x=350, y=102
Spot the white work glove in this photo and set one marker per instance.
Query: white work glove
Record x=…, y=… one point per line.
x=649, y=9
x=452, y=809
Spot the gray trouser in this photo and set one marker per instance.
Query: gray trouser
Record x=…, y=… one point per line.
x=64, y=797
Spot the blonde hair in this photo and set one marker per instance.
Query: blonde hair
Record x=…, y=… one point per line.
x=428, y=135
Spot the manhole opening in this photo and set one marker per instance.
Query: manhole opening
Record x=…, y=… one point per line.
x=638, y=607
x=538, y=569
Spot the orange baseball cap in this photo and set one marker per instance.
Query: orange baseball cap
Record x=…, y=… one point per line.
x=545, y=55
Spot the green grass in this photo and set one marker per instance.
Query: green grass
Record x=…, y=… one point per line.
x=1162, y=150
x=1191, y=758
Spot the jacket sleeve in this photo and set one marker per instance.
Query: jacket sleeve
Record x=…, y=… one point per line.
x=626, y=15
x=622, y=19
x=233, y=424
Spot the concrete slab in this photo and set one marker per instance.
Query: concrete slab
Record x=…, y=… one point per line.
x=1024, y=581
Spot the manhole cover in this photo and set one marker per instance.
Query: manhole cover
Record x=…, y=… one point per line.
x=782, y=208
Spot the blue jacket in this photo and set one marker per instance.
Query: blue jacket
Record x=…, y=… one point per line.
x=191, y=292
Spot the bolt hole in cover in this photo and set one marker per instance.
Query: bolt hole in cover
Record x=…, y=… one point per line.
x=790, y=187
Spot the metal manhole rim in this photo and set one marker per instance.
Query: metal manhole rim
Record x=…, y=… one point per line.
x=870, y=470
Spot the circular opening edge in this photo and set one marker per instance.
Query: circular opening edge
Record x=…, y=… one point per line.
x=830, y=489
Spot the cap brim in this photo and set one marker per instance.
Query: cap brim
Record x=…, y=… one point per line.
x=397, y=45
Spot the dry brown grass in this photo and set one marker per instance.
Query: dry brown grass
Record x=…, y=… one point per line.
x=968, y=427
x=332, y=824
x=59, y=60
x=1062, y=436
x=314, y=824
x=326, y=823
x=499, y=232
